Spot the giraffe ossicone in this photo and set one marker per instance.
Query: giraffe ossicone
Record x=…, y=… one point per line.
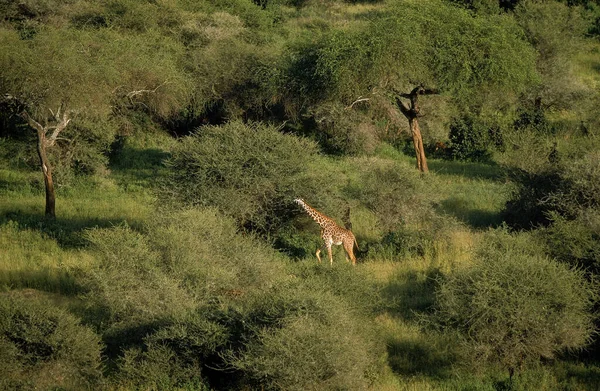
x=331, y=233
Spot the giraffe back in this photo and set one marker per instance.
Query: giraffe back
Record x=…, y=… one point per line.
x=321, y=219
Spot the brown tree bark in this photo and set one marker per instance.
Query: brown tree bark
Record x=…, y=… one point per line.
x=415, y=132
x=48, y=182
x=412, y=112
x=46, y=141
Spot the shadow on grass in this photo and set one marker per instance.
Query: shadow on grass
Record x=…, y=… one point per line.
x=475, y=218
x=140, y=166
x=51, y=280
x=466, y=169
x=68, y=233
x=583, y=377
x=409, y=294
x=419, y=356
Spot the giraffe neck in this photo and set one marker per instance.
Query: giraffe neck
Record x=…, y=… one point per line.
x=317, y=216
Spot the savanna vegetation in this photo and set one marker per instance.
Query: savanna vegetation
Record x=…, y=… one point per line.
x=151, y=152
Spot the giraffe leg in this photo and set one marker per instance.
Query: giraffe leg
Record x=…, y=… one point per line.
x=329, y=253
x=318, y=254
x=349, y=247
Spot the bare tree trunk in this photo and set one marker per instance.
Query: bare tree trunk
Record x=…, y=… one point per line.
x=412, y=113
x=415, y=132
x=45, y=141
x=48, y=182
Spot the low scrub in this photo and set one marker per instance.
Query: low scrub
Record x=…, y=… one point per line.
x=189, y=298
x=514, y=308
x=45, y=347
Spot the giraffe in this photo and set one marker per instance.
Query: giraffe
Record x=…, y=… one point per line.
x=331, y=233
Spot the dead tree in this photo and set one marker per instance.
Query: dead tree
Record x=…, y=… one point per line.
x=412, y=112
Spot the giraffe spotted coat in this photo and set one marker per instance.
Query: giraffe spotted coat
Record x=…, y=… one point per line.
x=331, y=233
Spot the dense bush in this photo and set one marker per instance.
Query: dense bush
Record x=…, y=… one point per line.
x=472, y=141
x=576, y=241
x=393, y=192
x=204, y=252
x=45, y=347
x=250, y=172
x=128, y=291
x=301, y=338
x=344, y=131
x=190, y=297
x=566, y=187
x=514, y=307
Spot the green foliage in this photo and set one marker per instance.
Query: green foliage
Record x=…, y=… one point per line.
x=393, y=191
x=315, y=341
x=203, y=251
x=184, y=300
x=566, y=187
x=192, y=295
x=471, y=141
x=250, y=172
x=555, y=30
x=128, y=290
x=45, y=347
x=343, y=131
x=576, y=241
x=514, y=307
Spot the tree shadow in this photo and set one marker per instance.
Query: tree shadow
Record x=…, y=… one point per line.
x=587, y=377
x=53, y=280
x=475, y=218
x=407, y=297
x=469, y=170
x=142, y=167
x=420, y=356
x=68, y=232
x=409, y=294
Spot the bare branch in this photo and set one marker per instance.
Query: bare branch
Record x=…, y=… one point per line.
x=403, y=108
x=134, y=93
x=64, y=121
x=33, y=123
x=360, y=99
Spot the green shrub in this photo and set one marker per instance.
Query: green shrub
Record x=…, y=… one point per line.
x=45, y=347
x=303, y=339
x=393, y=191
x=565, y=187
x=174, y=355
x=470, y=141
x=157, y=367
x=528, y=206
x=250, y=313
x=577, y=241
x=515, y=306
x=250, y=172
x=202, y=250
x=345, y=132
x=128, y=291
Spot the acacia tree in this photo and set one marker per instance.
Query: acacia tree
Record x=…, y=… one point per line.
x=478, y=64
x=99, y=75
x=47, y=135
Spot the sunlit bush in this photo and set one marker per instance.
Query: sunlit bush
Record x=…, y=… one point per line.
x=513, y=308
x=250, y=172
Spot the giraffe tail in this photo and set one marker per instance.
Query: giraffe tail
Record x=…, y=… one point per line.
x=356, y=243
